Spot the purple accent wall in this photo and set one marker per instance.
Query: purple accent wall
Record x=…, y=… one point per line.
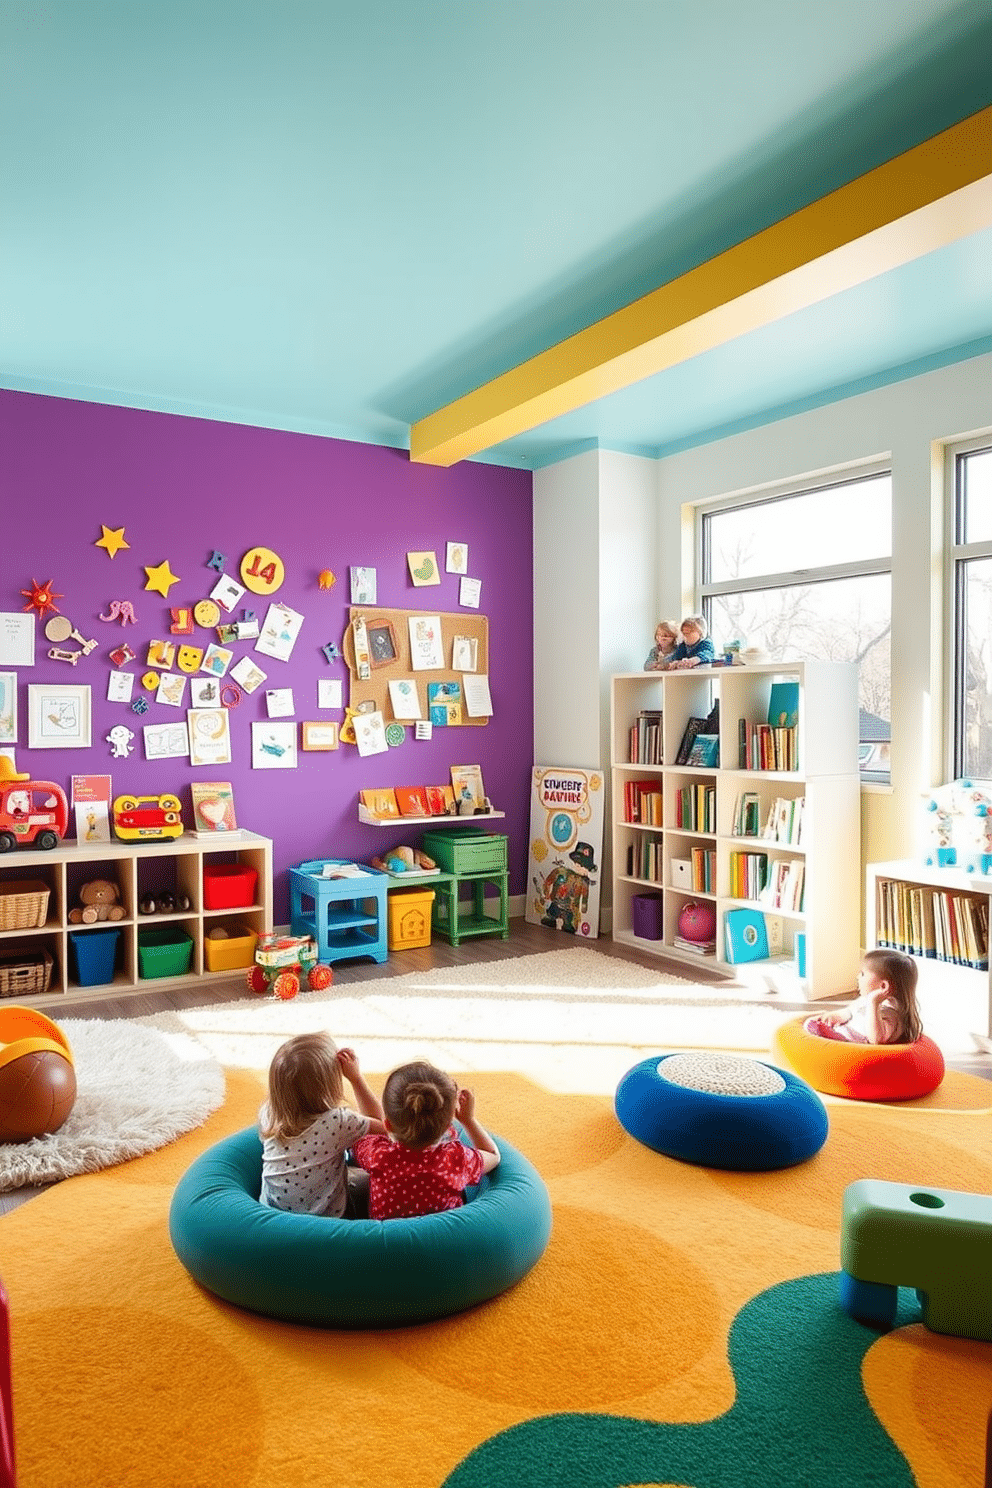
x=182, y=487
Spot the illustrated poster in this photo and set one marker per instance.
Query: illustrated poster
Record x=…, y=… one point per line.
x=564, y=867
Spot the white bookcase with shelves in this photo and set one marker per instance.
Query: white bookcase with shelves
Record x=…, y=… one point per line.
x=137, y=869
x=801, y=827
x=940, y=917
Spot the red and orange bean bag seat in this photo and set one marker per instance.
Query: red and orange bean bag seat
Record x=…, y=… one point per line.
x=873, y=1072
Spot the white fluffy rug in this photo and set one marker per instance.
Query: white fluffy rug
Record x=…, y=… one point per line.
x=137, y=1089
x=574, y=1020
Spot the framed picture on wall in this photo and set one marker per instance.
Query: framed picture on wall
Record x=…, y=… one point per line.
x=8, y=707
x=320, y=735
x=58, y=716
x=382, y=642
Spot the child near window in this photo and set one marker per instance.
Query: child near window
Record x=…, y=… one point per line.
x=666, y=638
x=306, y=1129
x=886, y=1011
x=420, y=1166
x=695, y=648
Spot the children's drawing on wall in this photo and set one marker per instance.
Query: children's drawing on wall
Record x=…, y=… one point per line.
x=426, y=647
x=464, y=654
x=166, y=740
x=444, y=702
x=280, y=632
x=204, y=692
x=363, y=585
x=423, y=569
x=8, y=707
x=566, y=843
x=273, y=746
x=209, y=736
x=456, y=558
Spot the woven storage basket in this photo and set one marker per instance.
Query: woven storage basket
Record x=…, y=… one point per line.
x=23, y=904
x=25, y=973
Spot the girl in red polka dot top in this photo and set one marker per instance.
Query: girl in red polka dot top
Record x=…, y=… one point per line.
x=420, y=1166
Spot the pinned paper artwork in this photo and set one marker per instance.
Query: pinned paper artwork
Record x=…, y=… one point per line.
x=112, y=540
x=262, y=571
x=120, y=686
x=330, y=692
x=464, y=654
x=171, y=689
x=58, y=717
x=166, y=740
x=280, y=632
x=273, y=746
x=161, y=654
x=456, y=558
x=469, y=593
x=8, y=707
x=182, y=621
x=226, y=592
x=426, y=648
x=423, y=569
x=204, y=692
x=404, y=698
x=247, y=675
x=216, y=660
x=206, y=612
x=279, y=702
x=363, y=585
x=209, y=736
x=423, y=729
x=16, y=639
x=478, y=701
x=161, y=578
x=370, y=733
x=444, y=703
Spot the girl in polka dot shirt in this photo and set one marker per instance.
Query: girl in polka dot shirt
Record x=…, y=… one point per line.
x=306, y=1129
x=420, y=1166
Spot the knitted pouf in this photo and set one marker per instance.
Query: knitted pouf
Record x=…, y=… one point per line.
x=722, y=1111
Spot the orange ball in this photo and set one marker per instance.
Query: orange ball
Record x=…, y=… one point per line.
x=37, y=1092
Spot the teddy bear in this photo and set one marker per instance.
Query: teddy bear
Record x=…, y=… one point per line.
x=99, y=900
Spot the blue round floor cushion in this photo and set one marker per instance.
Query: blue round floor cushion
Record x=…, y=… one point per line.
x=722, y=1111
x=354, y=1273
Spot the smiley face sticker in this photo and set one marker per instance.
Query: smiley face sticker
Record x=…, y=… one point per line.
x=189, y=658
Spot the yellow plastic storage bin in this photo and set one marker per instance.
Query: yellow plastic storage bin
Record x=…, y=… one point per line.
x=234, y=952
x=409, y=918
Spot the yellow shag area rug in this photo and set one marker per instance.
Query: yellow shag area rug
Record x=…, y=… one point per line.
x=681, y=1329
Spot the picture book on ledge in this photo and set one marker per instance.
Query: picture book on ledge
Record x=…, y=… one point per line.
x=213, y=808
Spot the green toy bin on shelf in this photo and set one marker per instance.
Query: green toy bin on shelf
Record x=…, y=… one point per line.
x=466, y=852
x=162, y=952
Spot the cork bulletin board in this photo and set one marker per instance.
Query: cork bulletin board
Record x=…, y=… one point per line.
x=389, y=645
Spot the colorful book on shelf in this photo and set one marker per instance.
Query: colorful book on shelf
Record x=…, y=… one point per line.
x=746, y=936
x=783, y=704
x=705, y=750
x=380, y=803
x=440, y=799
x=466, y=784
x=693, y=727
x=412, y=800
x=213, y=806
x=697, y=947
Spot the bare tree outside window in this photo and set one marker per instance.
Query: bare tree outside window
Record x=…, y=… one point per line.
x=808, y=576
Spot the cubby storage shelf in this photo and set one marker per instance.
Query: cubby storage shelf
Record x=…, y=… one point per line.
x=827, y=780
x=968, y=986
x=137, y=868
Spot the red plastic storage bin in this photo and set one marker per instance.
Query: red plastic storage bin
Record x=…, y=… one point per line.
x=229, y=886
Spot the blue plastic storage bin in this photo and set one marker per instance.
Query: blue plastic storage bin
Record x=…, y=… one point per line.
x=92, y=954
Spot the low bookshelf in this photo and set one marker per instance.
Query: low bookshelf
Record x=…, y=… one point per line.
x=940, y=917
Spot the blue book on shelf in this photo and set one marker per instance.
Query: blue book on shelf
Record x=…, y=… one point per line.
x=783, y=705
x=746, y=935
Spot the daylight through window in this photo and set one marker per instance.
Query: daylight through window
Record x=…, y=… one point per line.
x=972, y=634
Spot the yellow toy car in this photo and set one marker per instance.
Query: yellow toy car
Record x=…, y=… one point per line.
x=147, y=817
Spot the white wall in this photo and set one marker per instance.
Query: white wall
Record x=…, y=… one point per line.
x=610, y=555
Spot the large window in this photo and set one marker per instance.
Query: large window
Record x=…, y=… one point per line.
x=807, y=574
x=972, y=639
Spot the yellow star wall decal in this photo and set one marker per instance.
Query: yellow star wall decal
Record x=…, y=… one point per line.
x=112, y=540
x=161, y=578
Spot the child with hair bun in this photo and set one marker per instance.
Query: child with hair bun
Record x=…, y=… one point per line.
x=306, y=1129
x=419, y=1166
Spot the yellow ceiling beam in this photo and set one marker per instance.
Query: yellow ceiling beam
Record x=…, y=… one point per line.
x=920, y=201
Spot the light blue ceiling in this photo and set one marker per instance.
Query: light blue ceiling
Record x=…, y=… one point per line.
x=335, y=217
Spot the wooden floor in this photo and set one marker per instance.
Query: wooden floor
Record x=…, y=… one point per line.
x=524, y=940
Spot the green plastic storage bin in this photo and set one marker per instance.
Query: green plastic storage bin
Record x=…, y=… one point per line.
x=164, y=952
x=466, y=852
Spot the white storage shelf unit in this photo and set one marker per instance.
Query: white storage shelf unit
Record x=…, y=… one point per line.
x=826, y=778
x=960, y=991
x=175, y=866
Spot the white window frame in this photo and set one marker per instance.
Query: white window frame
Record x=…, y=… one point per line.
x=800, y=486
x=957, y=555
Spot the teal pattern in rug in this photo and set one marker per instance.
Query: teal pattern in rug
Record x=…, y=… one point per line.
x=801, y=1416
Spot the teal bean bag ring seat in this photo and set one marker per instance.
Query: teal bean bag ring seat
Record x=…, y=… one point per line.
x=354, y=1273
